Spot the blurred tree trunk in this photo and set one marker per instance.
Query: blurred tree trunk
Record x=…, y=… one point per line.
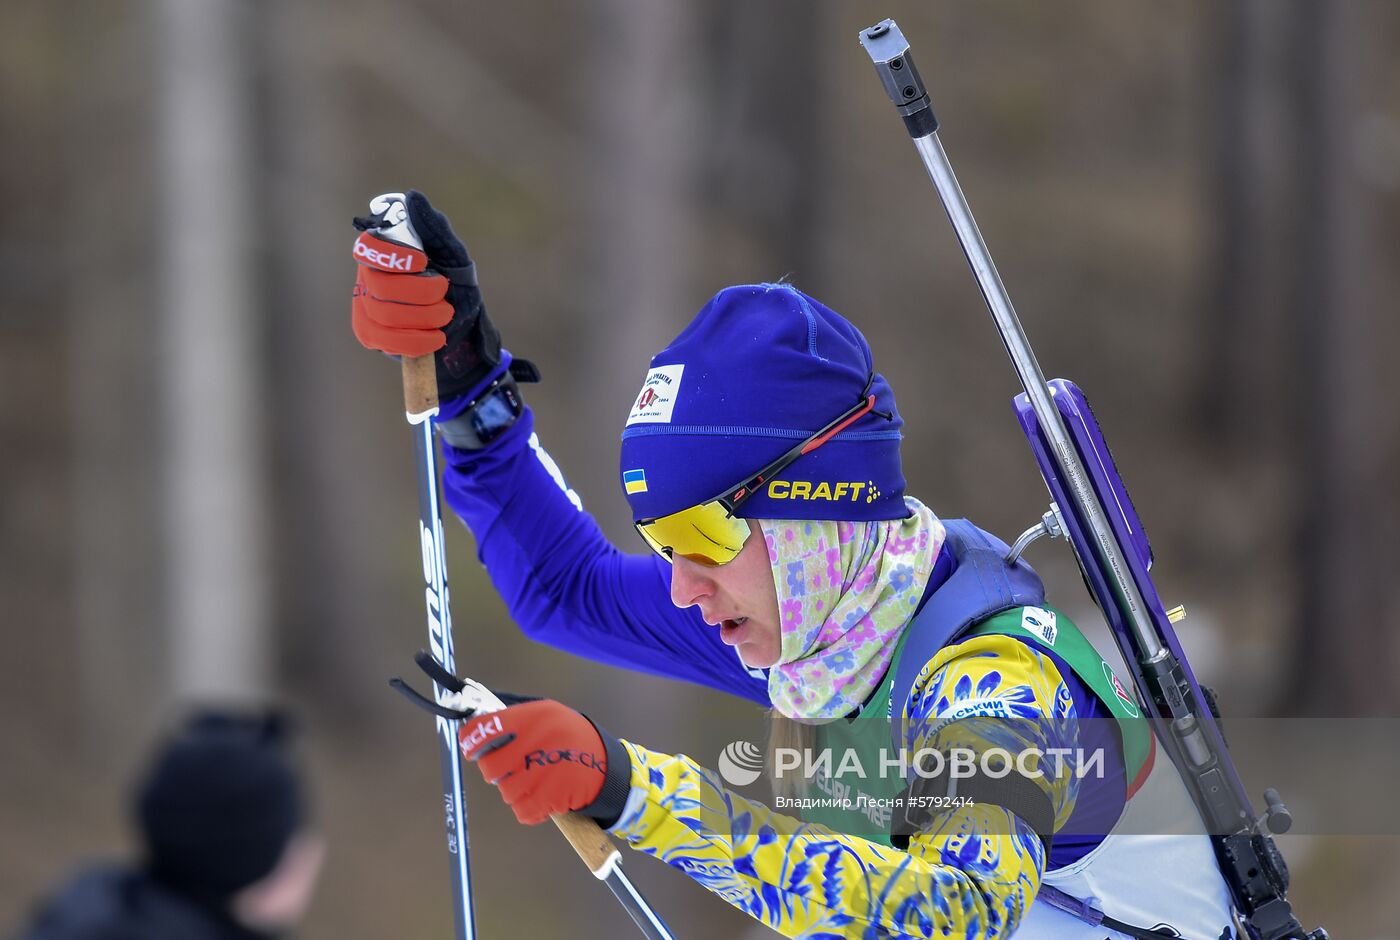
x=1294, y=335
x=764, y=152
x=213, y=479
x=706, y=160
x=1256, y=306
x=642, y=140
x=1346, y=640
x=116, y=537
x=1290, y=379
x=336, y=563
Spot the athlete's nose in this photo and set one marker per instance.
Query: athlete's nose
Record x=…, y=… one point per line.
x=690, y=582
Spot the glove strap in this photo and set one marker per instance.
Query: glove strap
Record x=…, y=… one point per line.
x=464, y=276
x=608, y=805
x=523, y=370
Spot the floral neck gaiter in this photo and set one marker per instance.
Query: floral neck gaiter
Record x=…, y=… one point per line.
x=845, y=592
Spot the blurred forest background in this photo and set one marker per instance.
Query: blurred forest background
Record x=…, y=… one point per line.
x=207, y=486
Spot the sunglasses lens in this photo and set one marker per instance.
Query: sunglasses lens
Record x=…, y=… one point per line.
x=706, y=534
x=652, y=543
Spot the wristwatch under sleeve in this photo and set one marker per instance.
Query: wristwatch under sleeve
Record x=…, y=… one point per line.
x=486, y=418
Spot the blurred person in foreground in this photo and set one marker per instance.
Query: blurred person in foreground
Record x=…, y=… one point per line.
x=222, y=818
x=789, y=567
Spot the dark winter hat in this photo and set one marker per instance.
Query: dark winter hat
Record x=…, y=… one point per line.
x=220, y=803
x=759, y=369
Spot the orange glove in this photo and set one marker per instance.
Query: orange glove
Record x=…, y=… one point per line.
x=409, y=302
x=546, y=758
x=396, y=308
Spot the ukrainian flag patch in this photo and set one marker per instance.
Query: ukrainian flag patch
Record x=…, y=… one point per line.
x=634, y=481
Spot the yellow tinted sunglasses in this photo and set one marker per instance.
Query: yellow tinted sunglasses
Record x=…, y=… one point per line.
x=712, y=533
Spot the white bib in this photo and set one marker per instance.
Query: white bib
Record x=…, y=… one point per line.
x=1143, y=880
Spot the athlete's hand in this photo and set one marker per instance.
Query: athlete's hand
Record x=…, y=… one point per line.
x=546, y=758
x=410, y=303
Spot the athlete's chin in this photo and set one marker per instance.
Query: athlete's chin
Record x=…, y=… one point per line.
x=757, y=655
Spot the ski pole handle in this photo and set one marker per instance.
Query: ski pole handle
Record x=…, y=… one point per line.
x=590, y=842
x=420, y=393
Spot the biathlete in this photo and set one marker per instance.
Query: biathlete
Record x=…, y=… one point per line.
x=788, y=566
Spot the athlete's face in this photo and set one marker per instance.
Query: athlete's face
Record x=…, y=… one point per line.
x=739, y=598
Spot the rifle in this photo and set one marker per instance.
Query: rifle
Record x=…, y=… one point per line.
x=1090, y=507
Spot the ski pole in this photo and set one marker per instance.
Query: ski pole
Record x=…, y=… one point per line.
x=584, y=834
x=390, y=214
x=420, y=404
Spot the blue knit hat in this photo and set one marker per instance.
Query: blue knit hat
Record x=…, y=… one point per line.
x=759, y=369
